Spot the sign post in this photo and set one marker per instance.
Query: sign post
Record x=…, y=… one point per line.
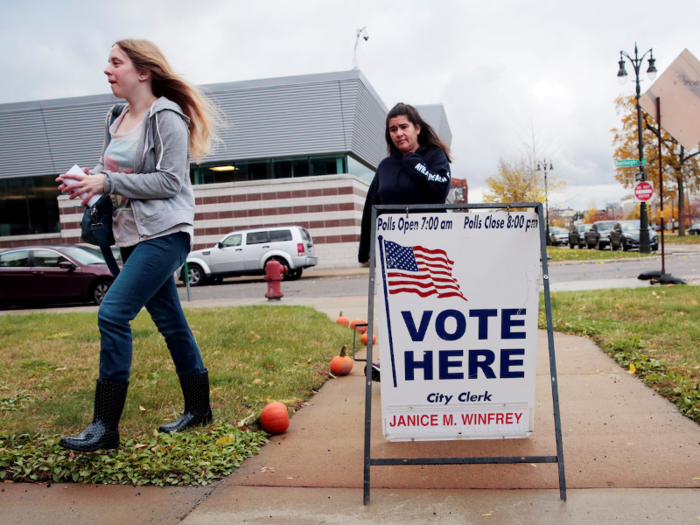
x=458, y=304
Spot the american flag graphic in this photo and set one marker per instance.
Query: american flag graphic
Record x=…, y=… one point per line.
x=420, y=270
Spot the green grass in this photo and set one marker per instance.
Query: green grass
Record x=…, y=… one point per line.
x=654, y=329
x=255, y=355
x=567, y=254
x=673, y=238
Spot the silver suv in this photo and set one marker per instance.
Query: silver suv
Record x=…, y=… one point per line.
x=245, y=252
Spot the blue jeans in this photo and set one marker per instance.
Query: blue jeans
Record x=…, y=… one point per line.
x=147, y=280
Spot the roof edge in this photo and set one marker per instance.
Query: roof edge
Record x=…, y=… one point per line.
x=210, y=88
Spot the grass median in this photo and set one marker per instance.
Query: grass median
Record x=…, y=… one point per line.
x=673, y=238
x=255, y=355
x=653, y=332
x=558, y=253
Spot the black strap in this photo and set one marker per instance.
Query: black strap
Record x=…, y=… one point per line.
x=98, y=230
x=103, y=243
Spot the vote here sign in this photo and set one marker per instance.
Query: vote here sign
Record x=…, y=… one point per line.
x=458, y=299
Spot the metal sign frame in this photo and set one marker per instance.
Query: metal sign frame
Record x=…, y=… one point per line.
x=368, y=460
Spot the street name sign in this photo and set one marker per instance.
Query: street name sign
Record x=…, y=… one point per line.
x=643, y=191
x=458, y=304
x=629, y=163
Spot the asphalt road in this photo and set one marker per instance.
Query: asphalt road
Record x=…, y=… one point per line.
x=686, y=266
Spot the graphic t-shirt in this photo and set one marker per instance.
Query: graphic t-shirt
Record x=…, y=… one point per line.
x=120, y=157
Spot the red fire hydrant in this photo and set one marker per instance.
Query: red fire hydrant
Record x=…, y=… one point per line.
x=274, y=273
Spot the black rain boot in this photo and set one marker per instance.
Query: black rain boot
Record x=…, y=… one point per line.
x=195, y=389
x=103, y=432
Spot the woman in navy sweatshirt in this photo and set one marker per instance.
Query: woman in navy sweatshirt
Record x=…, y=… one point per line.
x=417, y=170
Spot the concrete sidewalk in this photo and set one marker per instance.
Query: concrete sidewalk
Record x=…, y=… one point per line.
x=630, y=457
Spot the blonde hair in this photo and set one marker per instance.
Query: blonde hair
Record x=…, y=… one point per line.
x=203, y=115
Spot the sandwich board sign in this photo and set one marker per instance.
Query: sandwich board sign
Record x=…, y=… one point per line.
x=458, y=304
x=679, y=89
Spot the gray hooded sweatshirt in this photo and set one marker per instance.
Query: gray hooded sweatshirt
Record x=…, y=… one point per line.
x=159, y=189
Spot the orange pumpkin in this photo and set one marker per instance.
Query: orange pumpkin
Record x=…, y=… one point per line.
x=364, y=339
x=341, y=365
x=274, y=418
x=343, y=320
x=360, y=329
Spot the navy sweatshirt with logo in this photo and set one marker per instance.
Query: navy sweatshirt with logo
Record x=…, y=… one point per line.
x=420, y=177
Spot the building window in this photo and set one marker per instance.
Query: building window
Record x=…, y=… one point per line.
x=355, y=167
x=242, y=170
x=28, y=206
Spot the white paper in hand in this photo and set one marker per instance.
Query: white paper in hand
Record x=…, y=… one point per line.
x=75, y=170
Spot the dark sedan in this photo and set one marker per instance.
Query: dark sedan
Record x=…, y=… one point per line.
x=599, y=234
x=625, y=235
x=694, y=229
x=577, y=236
x=52, y=274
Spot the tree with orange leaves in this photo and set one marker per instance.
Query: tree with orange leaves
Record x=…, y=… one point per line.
x=681, y=168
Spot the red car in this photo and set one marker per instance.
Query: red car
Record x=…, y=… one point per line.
x=52, y=274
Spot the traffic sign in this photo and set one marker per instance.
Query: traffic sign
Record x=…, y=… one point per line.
x=643, y=191
x=638, y=176
x=629, y=163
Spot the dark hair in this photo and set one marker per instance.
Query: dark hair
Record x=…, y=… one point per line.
x=426, y=136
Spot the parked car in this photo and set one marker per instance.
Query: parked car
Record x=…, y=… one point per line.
x=694, y=229
x=95, y=250
x=625, y=235
x=599, y=234
x=246, y=252
x=577, y=236
x=51, y=274
x=558, y=236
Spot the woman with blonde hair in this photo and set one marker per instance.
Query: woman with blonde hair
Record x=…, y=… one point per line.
x=145, y=168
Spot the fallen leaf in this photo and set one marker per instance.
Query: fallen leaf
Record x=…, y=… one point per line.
x=270, y=383
x=532, y=465
x=141, y=446
x=289, y=477
x=141, y=408
x=256, y=373
x=308, y=360
x=257, y=381
x=632, y=369
x=62, y=368
x=223, y=440
x=630, y=443
x=486, y=514
x=697, y=478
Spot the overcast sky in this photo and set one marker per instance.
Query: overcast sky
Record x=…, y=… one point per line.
x=500, y=68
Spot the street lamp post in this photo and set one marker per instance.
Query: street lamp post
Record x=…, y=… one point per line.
x=542, y=166
x=359, y=33
x=644, y=246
